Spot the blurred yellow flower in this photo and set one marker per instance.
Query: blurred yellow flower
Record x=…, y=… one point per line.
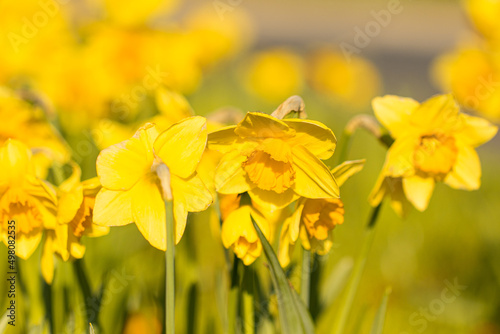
x=353, y=82
x=484, y=14
x=275, y=75
x=275, y=161
x=433, y=142
x=74, y=220
x=24, y=198
x=239, y=233
x=133, y=172
x=313, y=220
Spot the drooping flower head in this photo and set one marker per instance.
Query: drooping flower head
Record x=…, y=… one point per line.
x=24, y=198
x=275, y=161
x=133, y=175
x=313, y=220
x=434, y=142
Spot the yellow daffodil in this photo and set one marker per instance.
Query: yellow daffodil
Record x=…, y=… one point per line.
x=24, y=198
x=313, y=220
x=484, y=14
x=354, y=82
x=434, y=142
x=74, y=220
x=239, y=233
x=133, y=171
x=276, y=161
x=275, y=74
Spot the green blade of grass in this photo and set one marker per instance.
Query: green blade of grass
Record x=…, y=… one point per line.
x=294, y=317
x=378, y=322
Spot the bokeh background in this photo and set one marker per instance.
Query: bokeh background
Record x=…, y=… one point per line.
x=242, y=55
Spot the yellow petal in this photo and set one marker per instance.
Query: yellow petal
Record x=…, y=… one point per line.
x=295, y=220
x=314, y=136
x=418, y=190
x=399, y=202
x=180, y=220
x=148, y=210
x=113, y=208
x=27, y=243
x=312, y=177
x=476, y=131
x=172, y=105
x=440, y=111
x=15, y=162
x=394, y=112
x=466, y=173
x=260, y=125
x=379, y=191
x=223, y=140
x=120, y=166
x=69, y=204
x=270, y=200
x=74, y=179
x=230, y=177
x=236, y=225
x=192, y=192
x=285, y=250
x=91, y=187
x=47, y=260
x=182, y=145
x=399, y=160
x=347, y=169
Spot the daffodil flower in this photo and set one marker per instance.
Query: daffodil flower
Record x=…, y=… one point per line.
x=138, y=174
x=275, y=161
x=314, y=219
x=24, y=198
x=433, y=142
x=74, y=220
x=238, y=233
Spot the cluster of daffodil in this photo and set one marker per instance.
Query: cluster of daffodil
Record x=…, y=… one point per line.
x=472, y=71
x=107, y=58
x=268, y=169
x=277, y=73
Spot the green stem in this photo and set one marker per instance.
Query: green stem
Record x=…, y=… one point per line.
x=232, y=311
x=355, y=279
x=170, y=273
x=305, y=282
x=47, y=299
x=248, y=301
x=83, y=282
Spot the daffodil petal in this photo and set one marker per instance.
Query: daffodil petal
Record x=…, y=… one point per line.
x=418, y=190
x=230, y=177
x=69, y=204
x=26, y=243
x=394, y=112
x=180, y=220
x=314, y=136
x=270, y=201
x=192, y=192
x=466, y=173
x=379, y=191
x=113, y=208
x=312, y=177
x=476, y=131
x=148, y=210
x=399, y=161
x=347, y=169
x=295, y=220
x=260, y=125
x=15, y=163
x=440, y=111
x=47, y=260
x=235, y=225
x=181, y=146
x=120, y=166
x=223, y=140
x=285, y=250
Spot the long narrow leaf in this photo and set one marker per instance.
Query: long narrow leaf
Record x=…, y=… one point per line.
x=378, y=323
x=294, y=317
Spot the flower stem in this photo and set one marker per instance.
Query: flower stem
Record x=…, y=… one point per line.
x=169, y=272
x=305, y=282
x=83, y=282
x=355, y=279
x=248, y=301
x=234, y=293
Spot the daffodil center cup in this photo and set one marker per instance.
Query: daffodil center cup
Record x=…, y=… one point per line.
x=435, y=154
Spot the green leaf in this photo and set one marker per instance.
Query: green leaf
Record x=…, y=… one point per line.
x=378, y=323
x=294, y=317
